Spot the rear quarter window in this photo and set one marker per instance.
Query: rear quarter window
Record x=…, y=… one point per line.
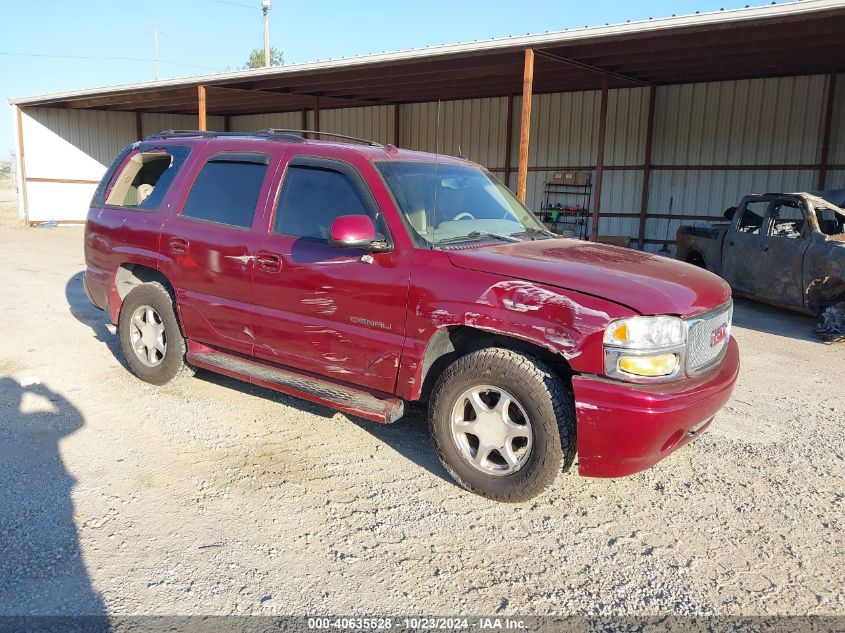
x=140, y=179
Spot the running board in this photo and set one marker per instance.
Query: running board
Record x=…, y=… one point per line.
x=330, y=394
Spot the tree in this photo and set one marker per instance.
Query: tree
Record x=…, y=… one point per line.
x=256, y=58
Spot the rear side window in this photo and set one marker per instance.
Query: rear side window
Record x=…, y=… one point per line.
x=311, y=198
x=143, y=180
x=226, y=189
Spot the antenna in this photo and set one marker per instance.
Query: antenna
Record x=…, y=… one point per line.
x=155, y=52
x=436, y=168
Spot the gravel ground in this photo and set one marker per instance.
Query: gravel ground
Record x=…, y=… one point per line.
x=217, y=497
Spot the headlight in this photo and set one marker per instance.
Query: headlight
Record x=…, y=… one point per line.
x=646, y=332
x=645, y=349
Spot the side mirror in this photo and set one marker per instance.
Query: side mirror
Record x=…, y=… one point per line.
x=355, y=231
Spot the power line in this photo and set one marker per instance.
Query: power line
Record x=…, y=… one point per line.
x=93, y=57
x=235, y=4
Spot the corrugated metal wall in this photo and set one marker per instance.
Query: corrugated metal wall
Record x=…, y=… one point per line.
x=62, y=145
x=79, y=145
x=718, y=125
x=74, y=144
x=474, y=127
x=837, y=134
x=375, y=123
x=713, y=142
x=158, y=122
x=252, y=122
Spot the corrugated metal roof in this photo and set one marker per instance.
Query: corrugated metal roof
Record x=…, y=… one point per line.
x=710, y=19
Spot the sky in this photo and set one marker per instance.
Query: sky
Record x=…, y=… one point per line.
x=54, y=45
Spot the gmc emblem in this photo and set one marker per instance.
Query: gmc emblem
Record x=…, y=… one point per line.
x=718, y=335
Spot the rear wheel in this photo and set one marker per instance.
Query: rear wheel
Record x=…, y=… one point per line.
x=150, y=336
x=502, y=424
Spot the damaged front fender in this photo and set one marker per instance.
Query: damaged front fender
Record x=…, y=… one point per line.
x=566, y=323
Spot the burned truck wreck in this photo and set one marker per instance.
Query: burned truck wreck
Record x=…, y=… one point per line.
x=783, y=249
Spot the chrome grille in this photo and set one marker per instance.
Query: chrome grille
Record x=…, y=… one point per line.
x=702, y=331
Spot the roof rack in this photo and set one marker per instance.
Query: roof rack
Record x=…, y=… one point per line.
x=212, y=134
x=268, y=132
x=302, y=133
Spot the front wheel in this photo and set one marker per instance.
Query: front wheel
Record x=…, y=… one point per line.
x=502, y=424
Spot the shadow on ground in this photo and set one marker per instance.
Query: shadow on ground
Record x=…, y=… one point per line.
x=408, y=436
x=43, y=571
x=84, y=312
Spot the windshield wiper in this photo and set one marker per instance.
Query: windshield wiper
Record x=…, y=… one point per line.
x=534, y=231
x=474, y=235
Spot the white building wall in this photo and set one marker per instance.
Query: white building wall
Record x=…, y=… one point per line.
x=69, y=145
x=66, y=153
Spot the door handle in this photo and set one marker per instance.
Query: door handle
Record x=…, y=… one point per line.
x=268, y=262
x=178, y=245
x=765, y=249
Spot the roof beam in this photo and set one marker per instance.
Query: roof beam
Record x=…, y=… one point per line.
x=591, y=51
x=609, y=56
x=286, y=93
x=801, y=54
x=592, y=69
x=404, y=70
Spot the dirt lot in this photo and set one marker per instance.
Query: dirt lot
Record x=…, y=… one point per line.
x=218, y=497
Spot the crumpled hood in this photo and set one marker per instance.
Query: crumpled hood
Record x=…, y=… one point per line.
x=650, y=284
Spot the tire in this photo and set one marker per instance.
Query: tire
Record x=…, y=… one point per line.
x=161, y=328
x=542, y=409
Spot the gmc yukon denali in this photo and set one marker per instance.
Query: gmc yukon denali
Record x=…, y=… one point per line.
x=365, y=277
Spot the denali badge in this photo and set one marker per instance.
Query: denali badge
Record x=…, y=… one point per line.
x=369, y=323
x=718, y=335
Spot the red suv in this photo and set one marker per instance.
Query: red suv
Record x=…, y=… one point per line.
x=363, y=277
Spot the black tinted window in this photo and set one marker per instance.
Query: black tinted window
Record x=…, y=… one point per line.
x=311, y=198
x=226, y=191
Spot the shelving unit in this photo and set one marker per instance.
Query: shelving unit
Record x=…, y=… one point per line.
x=566, y=207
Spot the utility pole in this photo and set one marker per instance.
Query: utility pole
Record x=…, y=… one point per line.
x=155, y=52
x=265, y=9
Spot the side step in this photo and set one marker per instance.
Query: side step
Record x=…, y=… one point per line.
x=356, y=402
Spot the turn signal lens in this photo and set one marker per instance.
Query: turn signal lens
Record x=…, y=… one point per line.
x=618, y=333
x=652, y=366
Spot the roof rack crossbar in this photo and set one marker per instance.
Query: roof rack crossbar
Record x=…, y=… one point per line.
x=269, y=131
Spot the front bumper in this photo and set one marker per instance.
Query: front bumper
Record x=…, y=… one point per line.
x=625, y=428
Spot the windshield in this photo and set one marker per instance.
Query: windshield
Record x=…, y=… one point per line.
x=446, y=203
